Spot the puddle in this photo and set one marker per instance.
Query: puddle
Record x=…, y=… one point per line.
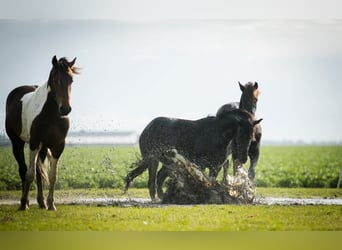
x=146, y=202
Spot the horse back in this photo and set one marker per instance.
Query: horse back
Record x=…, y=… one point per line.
x=193, y=139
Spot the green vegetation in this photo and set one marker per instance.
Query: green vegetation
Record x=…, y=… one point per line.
x=106, y=167
x=99, y=171
x=174, y=218
x=310, y=166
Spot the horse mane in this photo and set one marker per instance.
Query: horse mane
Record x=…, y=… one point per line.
x=64, y=63
x=241, y=113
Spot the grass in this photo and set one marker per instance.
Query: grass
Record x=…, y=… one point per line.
x=174, y=218
x=106, y=167
x=99, y=172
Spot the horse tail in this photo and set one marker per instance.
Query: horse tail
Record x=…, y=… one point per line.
x=139, y=167
x=44, y=164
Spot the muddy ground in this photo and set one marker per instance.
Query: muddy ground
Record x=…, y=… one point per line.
x=146, y=202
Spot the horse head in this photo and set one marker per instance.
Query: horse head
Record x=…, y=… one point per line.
x=60, y=79
x=244, y=134
x=250, y=91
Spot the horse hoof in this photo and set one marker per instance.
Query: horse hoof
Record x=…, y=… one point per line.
x=42, y=206
x=52, y=208
x=23, y=207
x=155, y=200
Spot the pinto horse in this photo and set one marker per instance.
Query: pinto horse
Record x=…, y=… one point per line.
x=38, y=116
x=203, y=142
x=248, y=102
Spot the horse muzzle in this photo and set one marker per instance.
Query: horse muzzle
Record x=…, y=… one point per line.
x=64, y=110
x=242, y=157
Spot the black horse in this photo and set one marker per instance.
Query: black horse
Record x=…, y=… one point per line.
x=248, y=102
x=203, y=142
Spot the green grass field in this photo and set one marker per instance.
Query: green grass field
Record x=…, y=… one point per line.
x=105, y=167
x=174, y=218
x=298, y=172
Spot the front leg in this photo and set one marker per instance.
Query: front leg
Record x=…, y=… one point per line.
x=52, y=181
x=253, y=153
x=225, y=167
x=254, y=157
x=30, y=175
x=40, y=196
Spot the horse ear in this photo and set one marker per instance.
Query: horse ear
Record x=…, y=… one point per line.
x=72, y=62
x=255, y=85
x=257, y=122
x=54, y=61
x=241, y=87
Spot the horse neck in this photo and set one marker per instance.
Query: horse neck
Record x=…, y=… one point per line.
x=228, y=129
x=248, y=104
x=50, y=106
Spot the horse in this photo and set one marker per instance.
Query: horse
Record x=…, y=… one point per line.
x=38, y=115
x=248, y=102
x=203, y=142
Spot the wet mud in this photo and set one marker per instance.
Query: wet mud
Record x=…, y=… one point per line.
x=146, y=202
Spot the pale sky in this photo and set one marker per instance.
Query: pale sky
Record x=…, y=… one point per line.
x=142, y=59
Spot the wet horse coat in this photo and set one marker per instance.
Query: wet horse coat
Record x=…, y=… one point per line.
x=204, y=142
x=38, y=116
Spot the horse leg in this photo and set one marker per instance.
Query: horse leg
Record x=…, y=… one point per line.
x=29, y=177
x=142, y=165
x=225, y=167
x=56, y=152
x=152, y=177
x=161, y=176
x=40, y=196
x=52, y=181
x=253, y=154
x=39, y=172
x=236, y=162
x=18, y=152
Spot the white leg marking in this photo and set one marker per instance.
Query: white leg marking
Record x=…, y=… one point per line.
x=52, y=181
x=30, y=175
x=31, y=172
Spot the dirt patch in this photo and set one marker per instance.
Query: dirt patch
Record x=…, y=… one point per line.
x=146, y=202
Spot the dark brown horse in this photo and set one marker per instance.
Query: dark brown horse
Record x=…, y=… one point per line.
x=248, y=102
x=204, y=142
x=38, y=116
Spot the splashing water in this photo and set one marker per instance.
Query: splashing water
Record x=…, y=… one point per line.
x=240, y=186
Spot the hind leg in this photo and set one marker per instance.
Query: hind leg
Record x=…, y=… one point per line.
x=18, y=152
x=142, y=165
x=152, y=178
x=161, y=177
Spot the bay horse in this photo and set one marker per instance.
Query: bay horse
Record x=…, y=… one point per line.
x=203, y=142
x=248, y=102
x=37, y=115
